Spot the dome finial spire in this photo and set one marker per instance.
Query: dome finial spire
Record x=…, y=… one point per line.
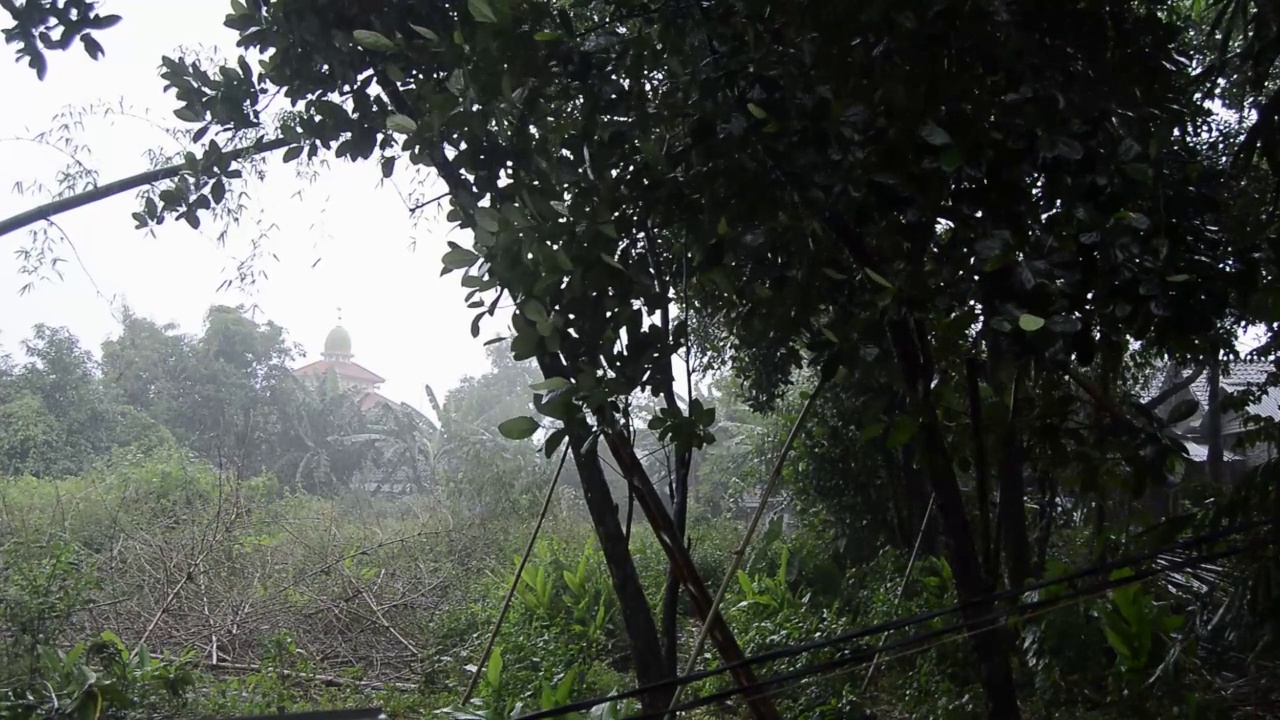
x=337, y=346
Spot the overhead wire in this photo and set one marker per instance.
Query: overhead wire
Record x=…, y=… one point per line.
x=924, y=642
x=910, y=621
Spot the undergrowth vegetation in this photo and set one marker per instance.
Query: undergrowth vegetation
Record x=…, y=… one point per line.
x=151, y=587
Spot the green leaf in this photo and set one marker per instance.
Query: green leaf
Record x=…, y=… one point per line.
x=494, y=670
x=488, y=218
x=534, y=310
x=757, y=111
x=1030, y=322
x=481, y=10
x=370, y=40
x=552, y=383
x=950, y=160
x=547, y=36
x=293, y=153
x=1064, y=324
x=459, y=258
x=1178, y=278
x=424, y=32
x=401, y=124
x=878, y=278
x=553, y=442
x=722, y=228
x=1139, y=172
x=518, y=428
x=935, y=135
x=835, y=274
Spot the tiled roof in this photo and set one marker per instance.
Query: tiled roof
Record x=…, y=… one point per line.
x=343, y=369
x=1236, y=377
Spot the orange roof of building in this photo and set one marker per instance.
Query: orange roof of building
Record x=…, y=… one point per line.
x=343, y=369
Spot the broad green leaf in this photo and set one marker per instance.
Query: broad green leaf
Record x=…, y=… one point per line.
x=401, y=124
x=518, y=428
x=757, y=111
x=950, y=160
x=481, y=10
x=547, y=36
x=488, y=219
x=495, y=668
x=1178, y=278
x=1030, y=322
x=552, y=383
x=459, y=258
x=371, y=40
x=553, y=442
x=534, y=310
x=935, y=135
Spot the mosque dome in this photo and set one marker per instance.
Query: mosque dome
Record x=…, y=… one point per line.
x=338, y=343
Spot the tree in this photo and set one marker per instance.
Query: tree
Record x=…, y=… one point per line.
x=316, y=424
x=998, y=201
x=56, y=416
x=221, y=394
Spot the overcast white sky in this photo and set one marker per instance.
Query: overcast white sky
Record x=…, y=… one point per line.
x=407, y=323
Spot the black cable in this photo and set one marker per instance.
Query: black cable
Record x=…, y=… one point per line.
x=862, y=657
x=918, y=619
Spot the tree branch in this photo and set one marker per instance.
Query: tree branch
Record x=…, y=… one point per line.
x=111, y=189
x=1173, y=390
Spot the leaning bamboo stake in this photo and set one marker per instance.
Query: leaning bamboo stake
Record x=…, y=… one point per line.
x=738, y=554
x=515, y=582
x=902, y=589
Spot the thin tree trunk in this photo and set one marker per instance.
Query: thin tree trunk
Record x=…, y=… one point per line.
x=637, y=616
x=980, y=462
x=761, y=706
x=671, y=592
x=989, y=642
x=1213, y=423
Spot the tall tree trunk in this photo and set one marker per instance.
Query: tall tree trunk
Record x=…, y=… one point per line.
x=988, y=640
x=986, y=547
x=671, y=592
x=637, y=616
x=722, y=638
x=1213, y=422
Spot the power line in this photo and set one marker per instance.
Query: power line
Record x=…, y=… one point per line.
x=955, y=631
x=901, y=623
